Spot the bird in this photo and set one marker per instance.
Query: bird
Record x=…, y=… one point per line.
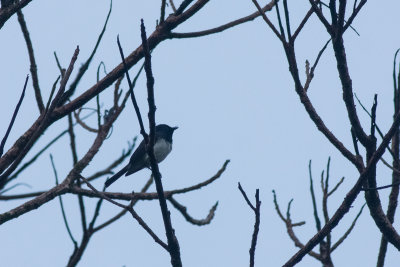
x=140, y=160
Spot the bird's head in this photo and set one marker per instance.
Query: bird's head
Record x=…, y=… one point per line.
x=165, y=131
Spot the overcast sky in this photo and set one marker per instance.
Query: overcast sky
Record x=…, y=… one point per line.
x=233, y=98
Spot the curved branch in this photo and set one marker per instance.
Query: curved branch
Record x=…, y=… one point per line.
x=183, y=210
x=223, y=27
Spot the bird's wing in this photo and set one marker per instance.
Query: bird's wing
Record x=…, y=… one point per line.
x=138, y=159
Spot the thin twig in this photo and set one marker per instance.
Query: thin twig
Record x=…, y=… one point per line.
x=33, y=67
x=314, y=203
x=171, y=2
x=3, y=141
x=131, y=210
x=269, y=23
x=225, y=26
x=347, y=233
x=53, y=89
x=61, y=69
x=84, y=67
x=62, y=205
x=125, y=196
x=33, y=159
x=162, y=13
x=43, y=122
x=183, y=210
x=123, y=212
x=132, y=94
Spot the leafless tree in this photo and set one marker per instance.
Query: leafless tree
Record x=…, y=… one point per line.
x=326, y=247
x=336, y=22
x=64, y=103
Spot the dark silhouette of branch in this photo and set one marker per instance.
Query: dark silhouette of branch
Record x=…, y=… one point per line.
x=3, y=141
x=183, y=6
x=84, y=67
x=74, y=153
x=354, y=14
x=7, y=11
x=81, y=123
x=310, y=73
x=173, y=244
x=325, y=244
x=262, y=13
x=125, y=196
x=87, y=234
x=123, y=212
x=132, y=94
x=42, y=124
x=61, y=69
x=38, y=154
x=67, y=184
x=131, y=210
x=171, y=2
x=53, y=89
x=347, y=233
x=349, y=199
x=394, y=194
x=62, y=205
x=256, y=210
x=159, y=35
x=223, y=27
x=33, y=68
x=162, y=13
x=289, y=225
x=376, y=125
x=314, y=203
x=301, y=25
x=183, y=210
x=14, y=186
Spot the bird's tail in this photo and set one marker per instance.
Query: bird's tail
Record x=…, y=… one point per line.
x=115, y=177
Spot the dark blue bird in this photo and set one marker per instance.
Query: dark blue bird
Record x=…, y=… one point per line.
x=140, y=160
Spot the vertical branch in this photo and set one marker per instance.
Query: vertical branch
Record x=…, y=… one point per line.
x=62, y=205
x=3, y=141
x=74, y=161
x=33, y=68
x=373, y=115
x=316, y=217
x=173, y=245
x=394, y=194
x=162, y=15
x=286, y=9
x=256, y=210
x=132, y=94
x=280, y=21
x=171, y=2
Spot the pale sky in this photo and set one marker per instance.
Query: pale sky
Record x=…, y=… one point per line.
x=233, y=98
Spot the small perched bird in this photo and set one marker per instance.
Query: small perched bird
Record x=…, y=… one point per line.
x=140, y=160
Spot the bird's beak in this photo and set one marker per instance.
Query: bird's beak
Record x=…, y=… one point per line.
x=175, y=128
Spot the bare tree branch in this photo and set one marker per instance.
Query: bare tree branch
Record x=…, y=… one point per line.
x=3, y=141
x=33, y=68
x=256, y=210
x=7, y=11
x=183, y=210
x=223, y=27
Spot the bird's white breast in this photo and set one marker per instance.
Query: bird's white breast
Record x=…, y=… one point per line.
x=162, y=149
